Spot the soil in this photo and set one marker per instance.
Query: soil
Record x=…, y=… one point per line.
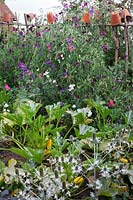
x=7, y=155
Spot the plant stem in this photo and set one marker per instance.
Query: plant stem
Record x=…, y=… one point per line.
x=95, y=158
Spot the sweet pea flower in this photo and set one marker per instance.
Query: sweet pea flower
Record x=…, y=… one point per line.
x=69, y=41
x=40, y=75
x=111, y=103
x=70, y=47
x=91, y=11
x=48, y=46
x=66, y=5
x=7, y=87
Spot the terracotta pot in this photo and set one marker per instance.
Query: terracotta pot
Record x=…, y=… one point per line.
x=115, y=18
x=125, y=14
x=7, y=17
x=50, y=18
x=86, y=18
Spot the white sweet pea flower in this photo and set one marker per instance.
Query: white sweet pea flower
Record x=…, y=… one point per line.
x=6, y=105
x=71, y=87
x=46, y=73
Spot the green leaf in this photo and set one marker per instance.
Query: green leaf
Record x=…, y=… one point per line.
x=38, y=123
x=55, y=111
x=12, y=119
x=84, y=131
x=35, y=154
x=4, y=97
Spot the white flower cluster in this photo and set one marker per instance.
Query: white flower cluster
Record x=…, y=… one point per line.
x=45, y=182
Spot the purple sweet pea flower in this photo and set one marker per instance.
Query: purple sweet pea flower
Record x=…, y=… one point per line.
x=37, y=45
x=38, y=34
x=69, y=40
x=103, y=34
x=75, y=19
x=21, y=33
x=48, y=62
x=22, y=66
x=14, y=29
x=62, y=104
x=56, y=17
x=65, y=74
x=47, y=30
x=77, y=63
x=66, y=5
x=84, y=4
x=105, y=47
x=76, y=25
x=91, y=11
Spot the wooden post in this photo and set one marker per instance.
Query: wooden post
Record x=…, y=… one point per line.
x=126, y=36
x=26, y=22
x=117, y=44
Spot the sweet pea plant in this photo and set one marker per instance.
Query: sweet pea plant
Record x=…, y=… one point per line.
x=66, y=110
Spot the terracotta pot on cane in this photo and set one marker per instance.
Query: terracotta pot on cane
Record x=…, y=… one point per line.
x=125, y=15
x=115, y=18
x=86, y=18
x=50, y=18
x=7, y=18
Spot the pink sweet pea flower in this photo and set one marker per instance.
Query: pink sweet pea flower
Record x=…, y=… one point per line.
x=70, y=47
x=48, y=46
x=7, y=88
x=40, y=75
x=111, y=103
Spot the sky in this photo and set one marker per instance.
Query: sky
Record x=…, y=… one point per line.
x=31, y=6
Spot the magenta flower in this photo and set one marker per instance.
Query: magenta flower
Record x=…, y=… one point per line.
x=84, y=4
x=48, y=46
x=111, y=103
x=38, y=34
x=7, y=88
x=105, y=47
x=66, y=5
x=103, y=34
x=70, y=47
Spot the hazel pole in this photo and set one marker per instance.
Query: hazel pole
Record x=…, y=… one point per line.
x=126, y=46
x=117, y=44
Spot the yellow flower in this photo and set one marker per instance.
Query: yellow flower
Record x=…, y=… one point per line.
x=12, y=162
x=123, y=160
x=47, y=152
x=49, y=144
x=78, y=180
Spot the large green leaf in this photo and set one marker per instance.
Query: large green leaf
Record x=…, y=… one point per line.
x=29, y=153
